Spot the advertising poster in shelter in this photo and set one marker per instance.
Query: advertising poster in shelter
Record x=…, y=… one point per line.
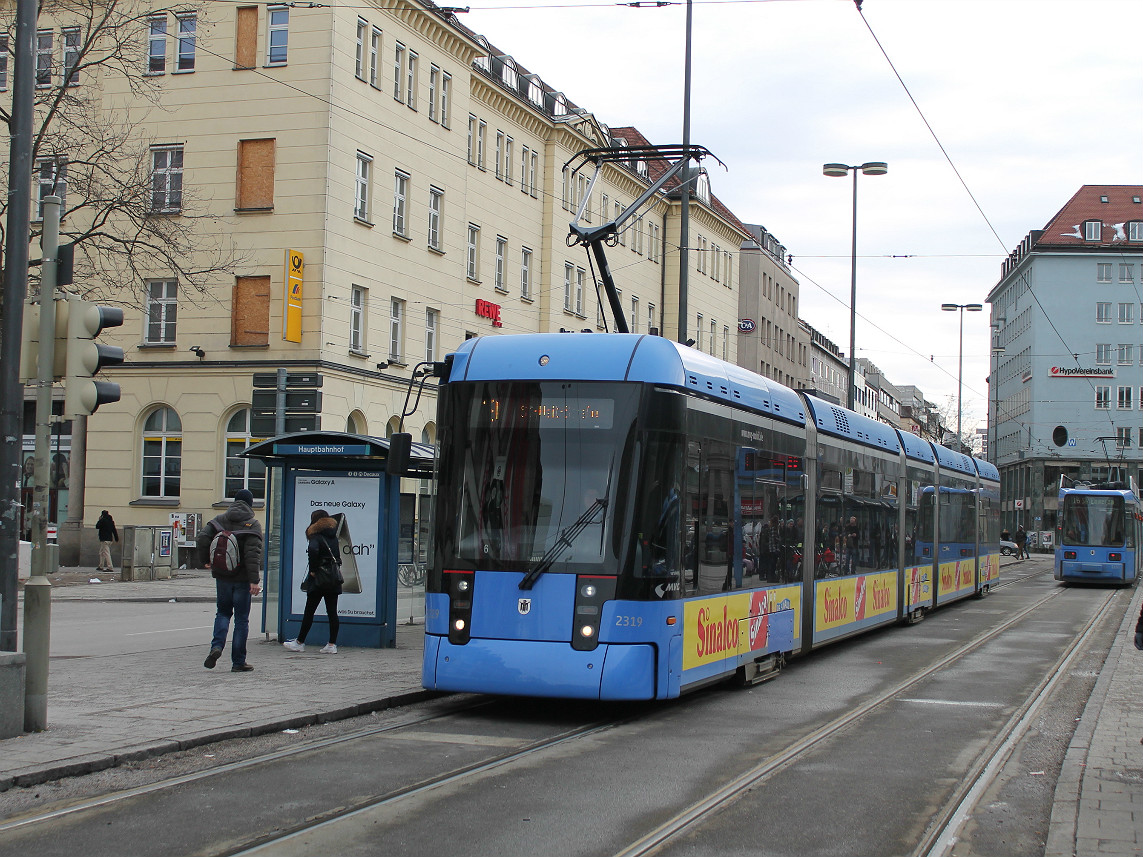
x=354, y=501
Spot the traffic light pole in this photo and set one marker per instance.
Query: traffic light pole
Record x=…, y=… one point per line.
x=38, y=589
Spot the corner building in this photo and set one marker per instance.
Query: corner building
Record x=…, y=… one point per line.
x=410, y=178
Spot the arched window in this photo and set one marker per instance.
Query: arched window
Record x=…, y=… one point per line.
x=162, y=454
x=508, y=72
x=394, y=425
x=355, y=423
x=241, y=472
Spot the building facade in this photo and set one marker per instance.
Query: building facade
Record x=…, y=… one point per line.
x=1067, y=377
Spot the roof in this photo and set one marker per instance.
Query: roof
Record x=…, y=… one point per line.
x=1124, y=203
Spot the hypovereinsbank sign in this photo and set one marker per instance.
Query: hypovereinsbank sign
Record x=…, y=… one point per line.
x=1081, y=372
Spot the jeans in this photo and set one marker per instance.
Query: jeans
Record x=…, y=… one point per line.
x=232, y=599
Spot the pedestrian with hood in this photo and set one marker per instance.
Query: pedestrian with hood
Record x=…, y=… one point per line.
x=105, y=529
x=323, y=580
x=231, y=547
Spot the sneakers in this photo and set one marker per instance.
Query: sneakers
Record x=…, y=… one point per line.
x=1138, y=640
x=329, y=649
x=294, y=646
x=242, y=668
x=212, y=658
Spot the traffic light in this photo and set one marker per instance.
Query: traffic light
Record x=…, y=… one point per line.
x=30, y=343
x=85, y=357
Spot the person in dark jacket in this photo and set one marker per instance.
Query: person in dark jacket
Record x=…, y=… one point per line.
x=1021, y=540
x=322, y=549
x=234, y=589
x=105, y=529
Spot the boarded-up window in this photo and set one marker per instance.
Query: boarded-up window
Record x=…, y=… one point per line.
x=255, y=174
x=246, y=37
x=250, y=319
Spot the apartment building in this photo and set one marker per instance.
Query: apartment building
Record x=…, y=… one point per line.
x=775, y=344
x=383, y=183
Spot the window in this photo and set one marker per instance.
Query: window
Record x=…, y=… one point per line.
x=1126, y=354
x=375, y=57
x=725, y=341
x=357, y=306
x=361, y=196
x=277, y=34
x=246, y=37
x=481, y=131
x=1123, y=398
x=396, y=329
x=188, y=25
x=524, y=153
x=472, y=260
x=436, y=203
x=446, y=98
x=51, y=176
x=1126, y=313
x=499, y=153
x=656, y=243
x=1103, y=312
x=362, y=30
x=400, y=198
x=1135, y=230
x=566, y=176
x=434, y=76
x=637, y=244
x=167, y=179
x=44, y=52
x=526, y=273
x=71, y=40
x=569, y=277
x=3, y=63
x=508, y=160
x=1092, y=230
x=698, y=332
x=498, y=275
x=250, y=313
x=248, y=473
x=1103, y=354
x=398, y=71
x=650, y=317
x=255, y=189
x=1103, y=272
x=411, y=82
x=162, y=454
x=472, y=139
x=162, y=312
x=1123, y=436
x=432, y=322
x=713, y=330
x=1126, y=273
x=533, y=169
x=634, y=315
x=580, y=275
x=1102, y=398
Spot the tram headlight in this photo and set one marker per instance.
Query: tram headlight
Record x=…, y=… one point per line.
x=587, y=631
x=458, y=624
x=462, y=585
x=587, y=590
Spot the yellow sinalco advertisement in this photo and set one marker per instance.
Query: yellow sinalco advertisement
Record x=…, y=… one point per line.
x=852, y=599
x=727, y=625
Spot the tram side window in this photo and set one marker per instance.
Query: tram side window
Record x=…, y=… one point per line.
x=658, y=511
x=761, y=498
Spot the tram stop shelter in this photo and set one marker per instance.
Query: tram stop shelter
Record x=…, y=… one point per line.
x=346, y=475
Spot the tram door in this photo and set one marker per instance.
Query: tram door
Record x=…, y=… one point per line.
x=710, y=556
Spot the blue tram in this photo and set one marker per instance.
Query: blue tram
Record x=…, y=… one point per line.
x=1099, y=533
x=623, y=517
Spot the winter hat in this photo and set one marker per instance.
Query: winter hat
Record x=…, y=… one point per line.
x=317, y=515
x=242, y=495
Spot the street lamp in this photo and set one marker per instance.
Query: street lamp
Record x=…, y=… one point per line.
x=960, y=360
x=869, y=168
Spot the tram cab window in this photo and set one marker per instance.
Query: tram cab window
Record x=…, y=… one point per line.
x=1094, y=521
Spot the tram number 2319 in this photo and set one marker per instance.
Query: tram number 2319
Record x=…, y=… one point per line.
x=628, y=621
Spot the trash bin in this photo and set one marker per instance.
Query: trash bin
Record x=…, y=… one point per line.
x=147, y=553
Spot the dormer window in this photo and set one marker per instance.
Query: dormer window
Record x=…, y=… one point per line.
x=1092, y=230
x=1104, y=200
x=508, y=73
x=560, y=108
x=1135, y=230
x=535, y=91
x=702, y=188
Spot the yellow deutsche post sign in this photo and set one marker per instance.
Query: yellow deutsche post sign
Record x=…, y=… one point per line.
x=292, y=321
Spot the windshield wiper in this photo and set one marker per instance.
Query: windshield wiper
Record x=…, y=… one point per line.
x=563, y=543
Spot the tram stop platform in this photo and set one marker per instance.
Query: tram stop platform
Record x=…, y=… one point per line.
x=105, y=710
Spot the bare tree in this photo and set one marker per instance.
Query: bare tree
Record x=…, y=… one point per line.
x=97, y=156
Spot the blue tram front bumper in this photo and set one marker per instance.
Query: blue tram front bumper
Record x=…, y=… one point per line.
x=540, y=668
x=1091, y=570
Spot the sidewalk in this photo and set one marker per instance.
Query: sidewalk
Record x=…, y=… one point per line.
x=107, y=710
x=103, y=711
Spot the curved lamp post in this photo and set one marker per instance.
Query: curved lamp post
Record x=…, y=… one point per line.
x=869, y=168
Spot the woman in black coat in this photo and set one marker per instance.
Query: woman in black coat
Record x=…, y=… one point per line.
x=322, y=549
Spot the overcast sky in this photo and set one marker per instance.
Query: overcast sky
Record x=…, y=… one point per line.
x=1030, y=99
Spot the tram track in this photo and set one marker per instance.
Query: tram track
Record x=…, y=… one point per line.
x=940, y=833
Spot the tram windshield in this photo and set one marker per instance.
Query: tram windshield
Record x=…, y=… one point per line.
x=1093, y=520
x=535, y=472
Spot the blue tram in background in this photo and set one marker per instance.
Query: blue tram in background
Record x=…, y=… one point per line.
x=1099, y=532
x=623, y=517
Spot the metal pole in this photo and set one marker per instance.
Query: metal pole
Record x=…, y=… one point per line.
x=853, y=299
x=11, y=328
x=38, y=589
x=959, y=378
x=685, y=212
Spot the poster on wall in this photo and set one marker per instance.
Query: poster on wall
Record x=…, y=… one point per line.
x=354, y=502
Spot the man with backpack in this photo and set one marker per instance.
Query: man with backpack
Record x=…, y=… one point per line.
x=231, y=547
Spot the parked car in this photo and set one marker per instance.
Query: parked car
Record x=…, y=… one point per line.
x=1008, y=548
